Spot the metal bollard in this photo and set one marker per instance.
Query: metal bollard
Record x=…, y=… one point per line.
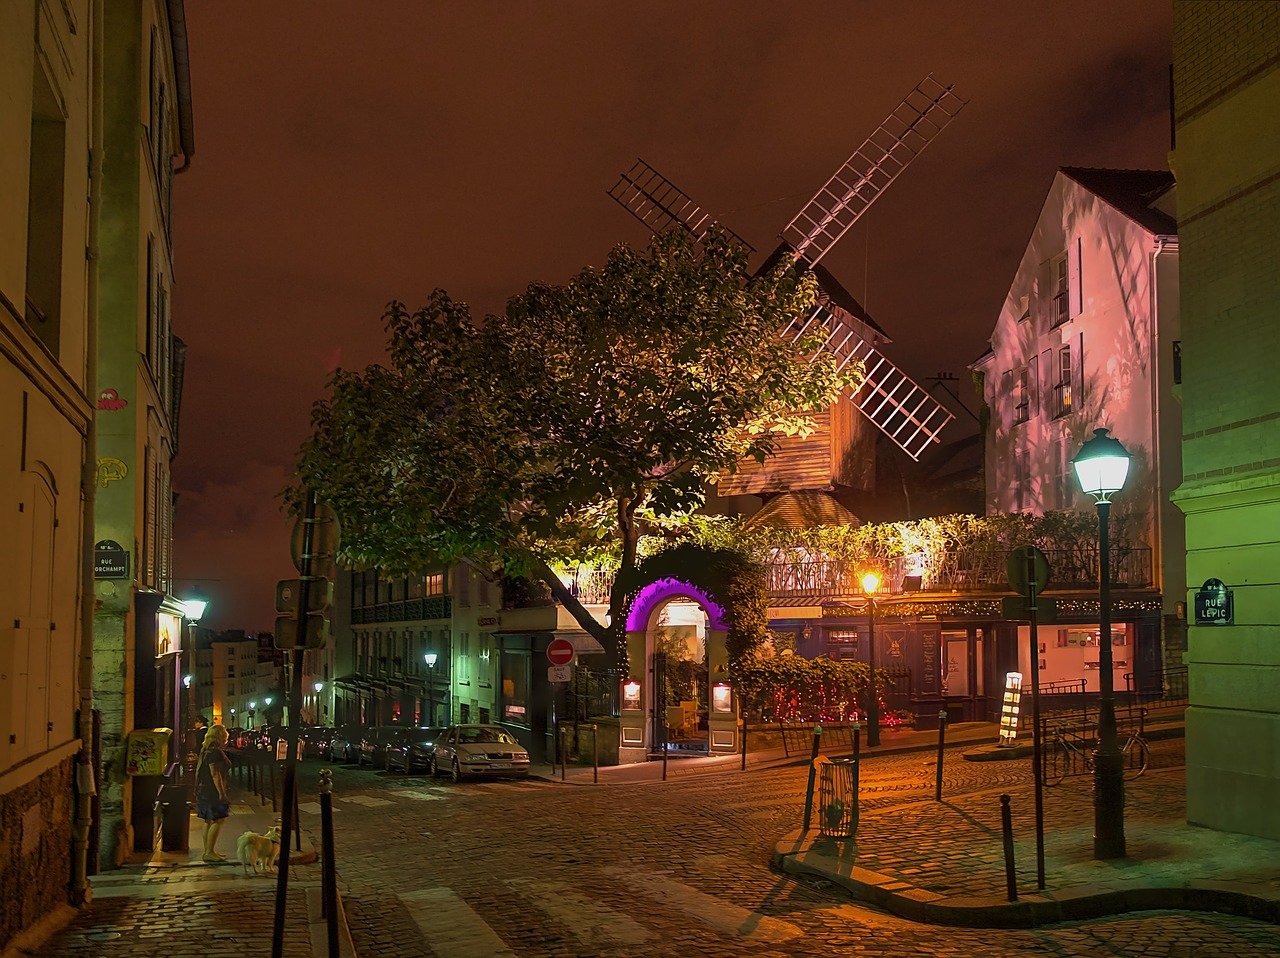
x=1006, y=827
x=595, y=754
x=744, y=741
x=328, y=866
x=942, y=744
x=857, y=740
x=857, y=781
x=813, y=771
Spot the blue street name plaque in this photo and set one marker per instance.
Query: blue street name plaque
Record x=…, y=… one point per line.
x=1215, y=604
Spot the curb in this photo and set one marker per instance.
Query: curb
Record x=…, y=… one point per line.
x=1073, y=903
x=995, y=753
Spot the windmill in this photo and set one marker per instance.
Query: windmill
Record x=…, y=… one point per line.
x=888, y=398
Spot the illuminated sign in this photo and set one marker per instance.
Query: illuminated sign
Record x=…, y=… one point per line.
x=1009, y=709
x=721, y=698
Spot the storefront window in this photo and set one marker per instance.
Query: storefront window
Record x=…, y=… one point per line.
x=1071, y=653
x=515, y=688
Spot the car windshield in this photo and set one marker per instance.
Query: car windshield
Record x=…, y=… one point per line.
x=424, y=735
x=483, y=734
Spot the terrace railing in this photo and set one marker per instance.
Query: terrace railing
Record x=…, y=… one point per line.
x=960, y=570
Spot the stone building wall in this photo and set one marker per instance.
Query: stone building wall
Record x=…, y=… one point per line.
x=35, y=825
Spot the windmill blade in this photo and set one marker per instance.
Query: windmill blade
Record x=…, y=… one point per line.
x=903, y=135
x=892, y=400
x=659, y=204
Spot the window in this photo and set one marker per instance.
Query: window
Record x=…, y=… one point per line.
x=1063, y=480
x=464, y=586
x=1177, y=362
x=515, y=688
x=46, y=189
x=1006, y=390
x=1022, y=397
x=1061, y=291
x=464, y=658
x=1021, y=480
x=435, y=584
x=1062, y=393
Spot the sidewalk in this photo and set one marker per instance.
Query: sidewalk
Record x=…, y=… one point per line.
x=892, y=742
x=173, y=905
x=943, y=862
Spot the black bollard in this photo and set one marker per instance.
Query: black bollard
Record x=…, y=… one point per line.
x=1006, y=826
x=595, y=754
x=744, y=741
x=813, y=771
x=857, y=740
x=942, y=744
x=857, y=777
x=329, y=867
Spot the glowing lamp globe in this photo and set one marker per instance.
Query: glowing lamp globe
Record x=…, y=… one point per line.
x=193, y=609
x=430, y=659
x=1101, y=466
x=870, y=582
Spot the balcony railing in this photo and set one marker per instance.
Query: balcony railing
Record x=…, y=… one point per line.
x=409, y=610
x=960, y=571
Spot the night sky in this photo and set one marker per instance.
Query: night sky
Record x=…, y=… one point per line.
x=352, y=153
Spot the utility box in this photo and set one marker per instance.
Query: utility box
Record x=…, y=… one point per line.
x=147, y=752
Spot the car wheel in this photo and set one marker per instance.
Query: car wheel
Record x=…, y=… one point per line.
x=455, y=773
x=431, y=766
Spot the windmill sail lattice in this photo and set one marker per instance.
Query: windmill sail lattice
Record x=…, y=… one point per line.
x=659, y=204
x=889, y=398
x=897, y=405
x=903, y=135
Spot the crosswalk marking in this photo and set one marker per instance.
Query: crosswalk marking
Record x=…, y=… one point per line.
x=591, y=922
x=451, y=927
x=311, y=808
x=722, y=916
x=368, y=801
x=419, y=794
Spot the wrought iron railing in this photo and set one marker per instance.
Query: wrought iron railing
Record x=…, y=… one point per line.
x=409, y=610
x=959, y=570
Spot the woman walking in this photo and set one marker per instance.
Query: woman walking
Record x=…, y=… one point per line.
x=212, y=798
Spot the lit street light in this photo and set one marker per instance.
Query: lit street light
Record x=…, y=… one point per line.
x=192, y=611
x=870, y=583
x=1101, y=466
x=430, y=659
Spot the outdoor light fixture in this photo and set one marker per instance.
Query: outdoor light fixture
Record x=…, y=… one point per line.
x=268, y=701
x=430, y=658
x=631, y=694
x=721, y=697
x=193, y=609
x=1101, y=466
x=870, y=583
x=318, y=686
x=186, y=681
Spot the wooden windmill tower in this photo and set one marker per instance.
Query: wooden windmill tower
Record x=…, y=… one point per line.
x=839, y=455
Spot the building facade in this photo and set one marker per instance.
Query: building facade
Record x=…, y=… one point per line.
x=50, y=90
x=1227, y=160
x=1088, y=337
x=137, y=625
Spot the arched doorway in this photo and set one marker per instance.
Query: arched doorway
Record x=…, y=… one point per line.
x=676, y=696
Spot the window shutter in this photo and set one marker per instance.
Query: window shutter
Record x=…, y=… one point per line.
x=1079, y=373
x=1033, y=386
x=1006, y=398
x=1075, y=272
x=1048, y=379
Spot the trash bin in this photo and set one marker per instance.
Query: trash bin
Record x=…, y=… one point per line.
x=837, y=804
x=174, y=817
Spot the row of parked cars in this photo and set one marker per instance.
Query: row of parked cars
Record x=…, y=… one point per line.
x=459, y=751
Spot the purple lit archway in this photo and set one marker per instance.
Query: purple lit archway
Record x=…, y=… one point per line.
x=657, y=593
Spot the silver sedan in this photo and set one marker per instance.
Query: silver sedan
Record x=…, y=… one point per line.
x=466, y=751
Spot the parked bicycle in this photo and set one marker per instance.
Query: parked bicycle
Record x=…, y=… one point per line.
x=1071, y=752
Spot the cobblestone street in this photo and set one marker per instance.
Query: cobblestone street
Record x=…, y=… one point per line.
x=533, y=868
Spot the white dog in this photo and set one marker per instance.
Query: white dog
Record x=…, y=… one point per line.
x=253, y=850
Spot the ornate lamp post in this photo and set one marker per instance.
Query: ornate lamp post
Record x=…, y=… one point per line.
x=430, y=659
x=870, y=583
x=253, y=710
x=1101, y=466
x=192, y=611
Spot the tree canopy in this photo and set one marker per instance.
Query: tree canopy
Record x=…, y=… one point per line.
x=553, y=432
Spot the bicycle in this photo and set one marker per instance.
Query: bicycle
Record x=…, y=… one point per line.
x=1072, y=752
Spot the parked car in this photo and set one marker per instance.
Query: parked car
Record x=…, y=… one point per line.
x=464, y=751
x=412, y=748
x=374, y=742
x=344, y=746
x=316, y=740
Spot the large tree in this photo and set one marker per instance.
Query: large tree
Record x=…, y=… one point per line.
x=551, y=433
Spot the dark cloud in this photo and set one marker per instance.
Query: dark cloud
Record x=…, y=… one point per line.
x=362, y=152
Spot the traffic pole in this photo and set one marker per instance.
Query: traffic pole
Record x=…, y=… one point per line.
x=813, y=771
x=1037, y=757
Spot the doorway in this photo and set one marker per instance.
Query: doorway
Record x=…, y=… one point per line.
x=680, y=688
x=964, y=672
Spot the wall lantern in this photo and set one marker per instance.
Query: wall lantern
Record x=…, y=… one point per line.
x=186, y=681
x=631, y=694
x=721, y=698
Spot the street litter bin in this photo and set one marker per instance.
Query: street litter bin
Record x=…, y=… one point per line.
x=837, y=804
x=174, y=816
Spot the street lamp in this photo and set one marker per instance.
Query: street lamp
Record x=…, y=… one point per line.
x=192, y=611
x=253, y=710
x=315, y=702
x=429, y=657
x=871, y=582
x=1101, y=466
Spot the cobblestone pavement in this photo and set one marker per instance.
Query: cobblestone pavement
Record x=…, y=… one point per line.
x=530, y=868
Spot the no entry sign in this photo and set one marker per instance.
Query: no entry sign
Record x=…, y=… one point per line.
x=560, y=652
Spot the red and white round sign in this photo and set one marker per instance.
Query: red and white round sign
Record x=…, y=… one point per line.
x=560, y=652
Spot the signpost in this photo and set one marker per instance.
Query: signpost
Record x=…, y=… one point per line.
x=1029, y=574
x=561, y=652
x=559, y=673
